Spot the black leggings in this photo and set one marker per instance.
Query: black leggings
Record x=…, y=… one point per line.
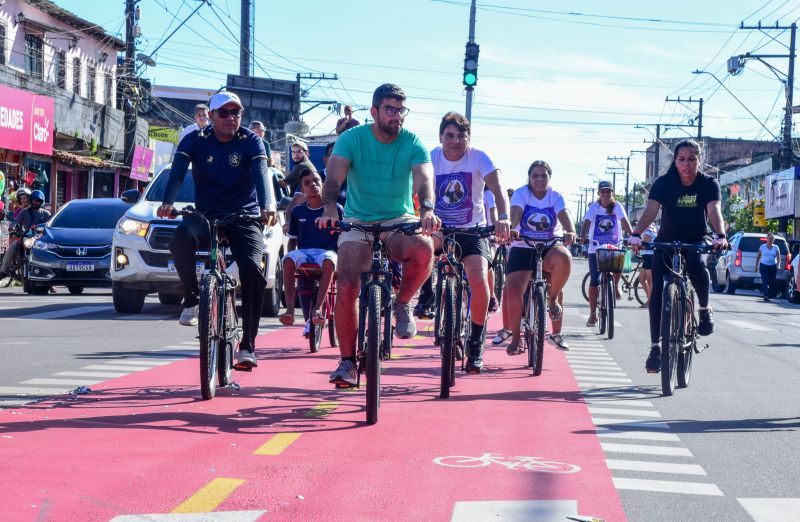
x=662, y=265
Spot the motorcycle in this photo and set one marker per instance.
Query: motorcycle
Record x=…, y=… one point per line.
x=18, y=271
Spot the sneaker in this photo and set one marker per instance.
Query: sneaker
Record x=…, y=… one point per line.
x=501, y=337
x=474, y=357
x=493, y=304
x=706, y=323
x=307, y=329
x=560, y=342
x=653, y=363
x=423, y=311
x=246, y=359
x=345, y=375
x=592, y=321
x=405, y=326
x=189, y=316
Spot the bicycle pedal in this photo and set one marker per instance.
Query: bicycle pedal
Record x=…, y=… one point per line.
x=345, y=386
x=242, y=368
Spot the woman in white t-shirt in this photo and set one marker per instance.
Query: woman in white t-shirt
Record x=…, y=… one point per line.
x=769, y=255
x=538, y=213
x=603, y=224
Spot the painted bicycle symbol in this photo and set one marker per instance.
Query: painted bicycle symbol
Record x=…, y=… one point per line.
x=526, y=463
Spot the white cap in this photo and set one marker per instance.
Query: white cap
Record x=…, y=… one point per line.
x=223, y=98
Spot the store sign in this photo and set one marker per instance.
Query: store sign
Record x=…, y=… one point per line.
x=780, y=194
x=142, y=161
x=26, y=121
x=164, y=134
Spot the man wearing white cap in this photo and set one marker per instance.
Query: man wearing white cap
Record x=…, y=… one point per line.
x=229, y=167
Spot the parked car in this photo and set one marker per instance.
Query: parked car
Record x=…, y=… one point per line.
x=736, y=267
x=143, y=263
x=74, y=249
x=793, y=274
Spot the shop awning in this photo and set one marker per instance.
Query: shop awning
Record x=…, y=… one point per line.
x=87, y=162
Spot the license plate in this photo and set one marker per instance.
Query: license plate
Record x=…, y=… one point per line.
x=198, y=269
x=80, y=267
x=758, y=280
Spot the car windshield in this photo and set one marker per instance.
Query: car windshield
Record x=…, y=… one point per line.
x=751, y=244
x=156, y=190
x=89, y=216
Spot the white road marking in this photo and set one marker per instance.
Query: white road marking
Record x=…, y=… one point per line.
x=747, y=325
x=641, y=449
x=605, y=371
x=107, y=375
x=667, y=486
x=117, y=367
x=36, y=392
x=595, y=379
x=771, y=509
x=627, y=404
x=624, y=411
x=217, y=516
x=66, y=312
x=143, y=362
x=10, y=403
x=638, y=435
x=147, y=317
x=513, y=510
x=632, y=423
x=65, y=382
x=593, y=364
x=655, y=467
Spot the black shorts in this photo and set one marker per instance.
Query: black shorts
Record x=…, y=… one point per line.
x=471, y=245
x=647, y=261
x=521, y=259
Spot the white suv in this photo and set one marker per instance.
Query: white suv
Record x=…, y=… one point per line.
x=142, y=262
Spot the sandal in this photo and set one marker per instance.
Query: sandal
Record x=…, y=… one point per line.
x=591, y=322
x=560, y=342
x=317, y=317
x=555, y=311
x=501, y=337
x=513, y=349
x=287, y=319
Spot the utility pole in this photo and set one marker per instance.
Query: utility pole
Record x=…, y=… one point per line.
x=658, y=151
x=129, y=101
x=470, y=88
x=247, y=39
x=692, y=123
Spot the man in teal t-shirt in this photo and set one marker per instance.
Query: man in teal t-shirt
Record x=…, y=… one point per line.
x=384, y=165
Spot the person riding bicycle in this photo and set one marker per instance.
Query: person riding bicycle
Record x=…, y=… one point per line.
x=461, y=172
x=531, y=206
x=26, y=219
x=308, y=245
x=687, y=199
x=384, y=165
x=229, y=167
x=603, y=223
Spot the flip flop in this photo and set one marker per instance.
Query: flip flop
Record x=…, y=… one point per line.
x=556, y=312
x=287, y=319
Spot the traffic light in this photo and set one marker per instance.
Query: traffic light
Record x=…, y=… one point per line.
x=471, y=64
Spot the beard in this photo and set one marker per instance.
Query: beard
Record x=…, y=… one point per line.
x=388, y=127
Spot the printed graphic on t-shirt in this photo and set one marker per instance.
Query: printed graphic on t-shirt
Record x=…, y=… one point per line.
x=538, y=223
x=605, y=229
x=454, y=198
x=687, y=201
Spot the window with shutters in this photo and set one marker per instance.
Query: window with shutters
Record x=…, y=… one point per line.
x=91, y=82
x=34, y=55
x=2, y=44
x=60, y=66
x=76, y=76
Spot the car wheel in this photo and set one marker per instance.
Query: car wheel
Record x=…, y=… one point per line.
x=730, y=286
x=274, y=296
x=715, y=285
x=75, y=290
x=169, y=299
x=127, y=300
x=39, y=289
x=792, y=293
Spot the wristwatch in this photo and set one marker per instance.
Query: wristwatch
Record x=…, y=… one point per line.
x=503, y=215
x=427, y=203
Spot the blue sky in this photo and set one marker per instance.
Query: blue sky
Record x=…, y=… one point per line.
x=561, y=81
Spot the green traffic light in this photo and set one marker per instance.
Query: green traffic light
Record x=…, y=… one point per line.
x=470, y=79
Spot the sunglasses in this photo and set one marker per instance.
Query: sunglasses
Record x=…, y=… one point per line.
x=224, y=113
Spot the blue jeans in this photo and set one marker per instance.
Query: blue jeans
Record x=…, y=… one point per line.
x=768, y=273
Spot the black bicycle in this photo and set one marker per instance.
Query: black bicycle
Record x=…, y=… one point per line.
x=499, y=267
x=374, y=343
x=218, y=323
x=678, y=321
x=609, y=262
x=453, y=317
x=534, y=306
x=628, y=282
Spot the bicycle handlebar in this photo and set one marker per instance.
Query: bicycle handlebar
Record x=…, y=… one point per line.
x=408, y=228
x=541, y=243
x=477, y=230
x=230, y=218
x=676, y=245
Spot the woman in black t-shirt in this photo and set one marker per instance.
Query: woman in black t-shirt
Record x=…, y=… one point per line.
x=688, y=200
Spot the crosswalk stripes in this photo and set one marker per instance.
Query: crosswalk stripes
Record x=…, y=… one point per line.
x=642, y=452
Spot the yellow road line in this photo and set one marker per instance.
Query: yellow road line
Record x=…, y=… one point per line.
x=322, y=409
x=210, y=496
x=277, y=443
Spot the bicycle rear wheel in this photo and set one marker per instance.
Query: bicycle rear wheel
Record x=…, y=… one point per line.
x=602, y=305
x=449, y=337
x=231, y=334
x=373, y=352
x=670, y=335
x=209, y=329
x=687, y=345
x=610, y=303
x=536, y=350
x=585, y=286
x=639, y=292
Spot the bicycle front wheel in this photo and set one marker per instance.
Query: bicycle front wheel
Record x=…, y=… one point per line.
x=639, y=292
x=209, y=329
x=499, y=276
x=670, y=337
x=449, y=337
x=610, y=303
x=585, y=286
x=536, y=350
x=315, y=333
x=373, y=352
x=602, y=305
x=231, y=342
x=686, y=350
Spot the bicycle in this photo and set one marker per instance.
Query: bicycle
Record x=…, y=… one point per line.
x=499, y=266
x=375, y=303
x=629, y=283
x=307, y=276
x=217, y=323
x=534, y=306
x=452, y=316
x=609, y=262
x=678, y=322
x=526, y=463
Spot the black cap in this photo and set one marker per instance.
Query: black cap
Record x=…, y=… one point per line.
x=604, y=185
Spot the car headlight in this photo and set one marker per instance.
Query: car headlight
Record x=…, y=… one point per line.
x=44, y=245
x=28, y=242
x=131, y=227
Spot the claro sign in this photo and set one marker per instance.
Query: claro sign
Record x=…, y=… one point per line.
x=26, y=121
